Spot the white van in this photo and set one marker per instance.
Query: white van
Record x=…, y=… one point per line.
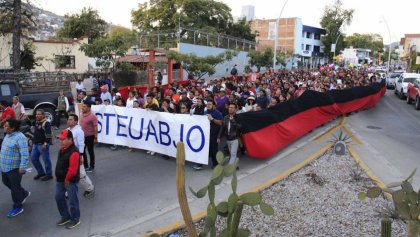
x=402, y=83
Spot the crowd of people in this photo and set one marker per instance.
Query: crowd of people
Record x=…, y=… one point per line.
x=218, y=99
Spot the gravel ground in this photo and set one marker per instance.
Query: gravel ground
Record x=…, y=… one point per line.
x=306, y=208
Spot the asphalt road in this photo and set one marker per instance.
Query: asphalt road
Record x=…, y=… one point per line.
x=392, y=131
x=130, y=187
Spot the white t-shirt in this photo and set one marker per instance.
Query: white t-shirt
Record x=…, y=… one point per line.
x=130, y=103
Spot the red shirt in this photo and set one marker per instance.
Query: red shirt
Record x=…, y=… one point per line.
x=74, y=162
x=88, y=121
x=8, y=113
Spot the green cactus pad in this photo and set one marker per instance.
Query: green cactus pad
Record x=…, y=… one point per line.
x=374, y=192
x=251, y=199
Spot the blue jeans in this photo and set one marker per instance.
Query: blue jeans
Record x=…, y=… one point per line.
x=60, y=199
x=12, y=180
x=36, y=152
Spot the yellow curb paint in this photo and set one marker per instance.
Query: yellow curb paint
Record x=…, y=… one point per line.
x=327, y=133
x=343, y=120
x=363, y=165
x=353, y=137
x=179, y=224
x=330, y=131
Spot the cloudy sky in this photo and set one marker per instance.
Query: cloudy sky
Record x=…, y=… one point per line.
x=402, y=15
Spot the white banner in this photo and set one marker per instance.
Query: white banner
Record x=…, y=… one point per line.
x=154, y=131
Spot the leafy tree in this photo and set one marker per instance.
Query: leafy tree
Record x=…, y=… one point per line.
x=15, y=14
x=200, y=66
x=107, y=50
x=87, y=23
x=333, y=18
x=27, y=55
x=261, y=59
x=373, y=42
x=207, y=15
x=241, y=29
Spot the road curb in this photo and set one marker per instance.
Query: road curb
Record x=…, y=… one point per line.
x=180, y=224
x=365, y=168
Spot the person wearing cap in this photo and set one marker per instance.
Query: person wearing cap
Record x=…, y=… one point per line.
x=250, y=104
x=105, y=93
x=13, y=161
x=79, y=142
x=222, y=99
x=67, y=174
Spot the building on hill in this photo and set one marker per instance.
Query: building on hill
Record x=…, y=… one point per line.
x=293, y=39
x=53, y=54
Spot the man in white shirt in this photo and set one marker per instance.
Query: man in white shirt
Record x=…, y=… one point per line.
x=79, y=142
x=79, y=86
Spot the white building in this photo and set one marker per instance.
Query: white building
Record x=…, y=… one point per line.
x=248, y=12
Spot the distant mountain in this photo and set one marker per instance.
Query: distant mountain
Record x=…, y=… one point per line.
x=47, y=24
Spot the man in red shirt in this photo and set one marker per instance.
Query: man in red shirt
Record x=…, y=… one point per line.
x=8, y=112
x=67, y=174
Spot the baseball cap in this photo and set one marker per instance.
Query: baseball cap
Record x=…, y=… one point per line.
x=66, y=133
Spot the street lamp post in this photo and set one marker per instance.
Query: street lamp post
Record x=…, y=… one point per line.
x=390, y=40
x=277, y=36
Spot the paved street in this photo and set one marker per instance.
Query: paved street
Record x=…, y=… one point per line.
x=392, y=132
x=132, y=188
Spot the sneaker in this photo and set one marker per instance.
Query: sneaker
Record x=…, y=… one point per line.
x=46, y=178
x=24, y=200
x=73, y=224
x=148, y=152
x=14, y=212
x=63, y=222
x=114, y=147
x=88, y=194
x=152, y=153
x=90, y=170
x=198, y=167
x=39, y=176
x=56, y=128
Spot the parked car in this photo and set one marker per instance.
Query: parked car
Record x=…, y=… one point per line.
x=381, y=72
x=391, y=79
x=35, y=90
x=413, y=93
x=402, y=83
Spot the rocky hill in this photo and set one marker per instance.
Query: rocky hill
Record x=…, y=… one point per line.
x=47, y=24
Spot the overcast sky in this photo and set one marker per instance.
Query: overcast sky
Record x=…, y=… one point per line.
x=402, y=16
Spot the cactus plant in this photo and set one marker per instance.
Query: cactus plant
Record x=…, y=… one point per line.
x=180, y=186
x=386, y=227
x=233, y=207
x=406, y=201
